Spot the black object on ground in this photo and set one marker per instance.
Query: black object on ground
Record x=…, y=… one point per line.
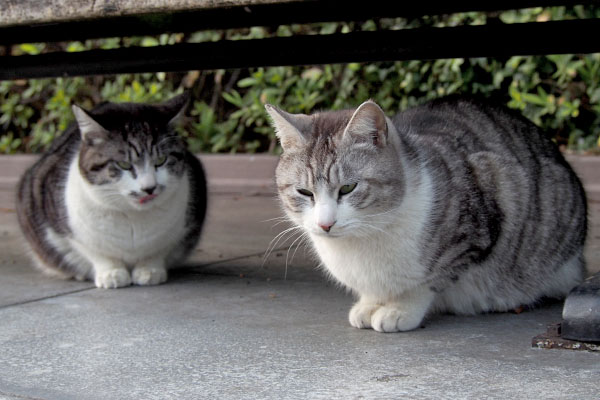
x=581, y=313
x=580, y=326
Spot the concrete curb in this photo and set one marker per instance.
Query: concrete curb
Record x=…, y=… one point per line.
x=254, y=173
x=588, y=169
x=227, y=173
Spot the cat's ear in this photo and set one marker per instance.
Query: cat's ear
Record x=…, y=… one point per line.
x=92, y=133
x=368, y=124
x=176, y=107
x=291, y=129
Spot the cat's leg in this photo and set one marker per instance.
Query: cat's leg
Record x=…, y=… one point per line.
x=107, y=272
x=362, y=312
x=150, y=272
x=404, y=314
x=110, y=274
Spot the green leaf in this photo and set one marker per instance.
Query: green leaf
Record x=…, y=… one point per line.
x=246, y=82
x=233, y=97
x=30, y=49
x=75, y=47
x=149, y=42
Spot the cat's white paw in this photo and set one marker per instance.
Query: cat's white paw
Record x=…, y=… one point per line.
x=394, y=319
x=112, y=278
x=361, y=314
x=149, y=275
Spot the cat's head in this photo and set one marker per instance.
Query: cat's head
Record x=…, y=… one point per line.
x=338, y=174
x=130, y=153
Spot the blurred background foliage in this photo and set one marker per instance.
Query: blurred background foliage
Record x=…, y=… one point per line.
x=560, y=93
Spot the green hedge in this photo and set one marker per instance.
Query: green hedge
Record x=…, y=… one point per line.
x=560, y=93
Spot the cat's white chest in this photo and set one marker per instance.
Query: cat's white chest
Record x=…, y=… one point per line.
x=377, y=266
x=128, y=235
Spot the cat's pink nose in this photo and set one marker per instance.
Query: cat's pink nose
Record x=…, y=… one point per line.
x=326, y=226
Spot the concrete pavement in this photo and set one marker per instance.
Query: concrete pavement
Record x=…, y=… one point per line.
x=231, y=325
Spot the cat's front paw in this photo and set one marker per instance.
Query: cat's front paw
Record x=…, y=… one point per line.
x=394, y=319
x=112, y=278
x=361, y=314
x=149, y=275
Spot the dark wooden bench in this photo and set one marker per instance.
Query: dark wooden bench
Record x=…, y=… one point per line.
x=33, y=21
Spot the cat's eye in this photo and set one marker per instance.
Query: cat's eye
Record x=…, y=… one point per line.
x=124, y=165
x=160, y=161
x=305, y=192
x=347, y=189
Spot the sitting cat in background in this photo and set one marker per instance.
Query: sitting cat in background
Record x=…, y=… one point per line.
x=117, y=198
x=453, y=206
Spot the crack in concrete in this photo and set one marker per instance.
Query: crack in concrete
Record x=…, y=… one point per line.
x=191, y=268
x=18, y=396
x=261, y=254
x=20, y=303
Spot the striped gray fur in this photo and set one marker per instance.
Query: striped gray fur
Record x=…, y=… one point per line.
x=504, y=191
x=125, y=133
x=503, y=219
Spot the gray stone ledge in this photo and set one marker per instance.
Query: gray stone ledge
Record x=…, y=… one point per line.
x=25, y=12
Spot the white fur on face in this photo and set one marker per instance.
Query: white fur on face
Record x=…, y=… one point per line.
x=321, y=213
x=128, y=191
x=329, y=211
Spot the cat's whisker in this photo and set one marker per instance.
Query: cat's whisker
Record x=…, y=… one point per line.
x=278, y=237
x=283, y=218
x=280, y=220
x=305, y=238
x=359, y=225
x=378, y=214
x=302, y=236
x=272, y=248
x=279, y=223
x=373, y=227
x=369, y=220
x=275, y=241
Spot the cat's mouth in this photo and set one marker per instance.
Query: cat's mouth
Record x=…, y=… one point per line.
x=330, y=234
x=146, y=199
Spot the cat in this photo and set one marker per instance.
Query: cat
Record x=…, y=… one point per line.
x=457, y=206
x=117, y=198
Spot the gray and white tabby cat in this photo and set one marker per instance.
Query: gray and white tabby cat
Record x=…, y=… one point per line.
x=117, y=198
x=453, y=206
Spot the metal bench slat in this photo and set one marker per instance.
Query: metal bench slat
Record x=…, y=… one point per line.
x=499, y=40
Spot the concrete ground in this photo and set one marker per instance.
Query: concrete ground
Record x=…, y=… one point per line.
x=230, y=325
